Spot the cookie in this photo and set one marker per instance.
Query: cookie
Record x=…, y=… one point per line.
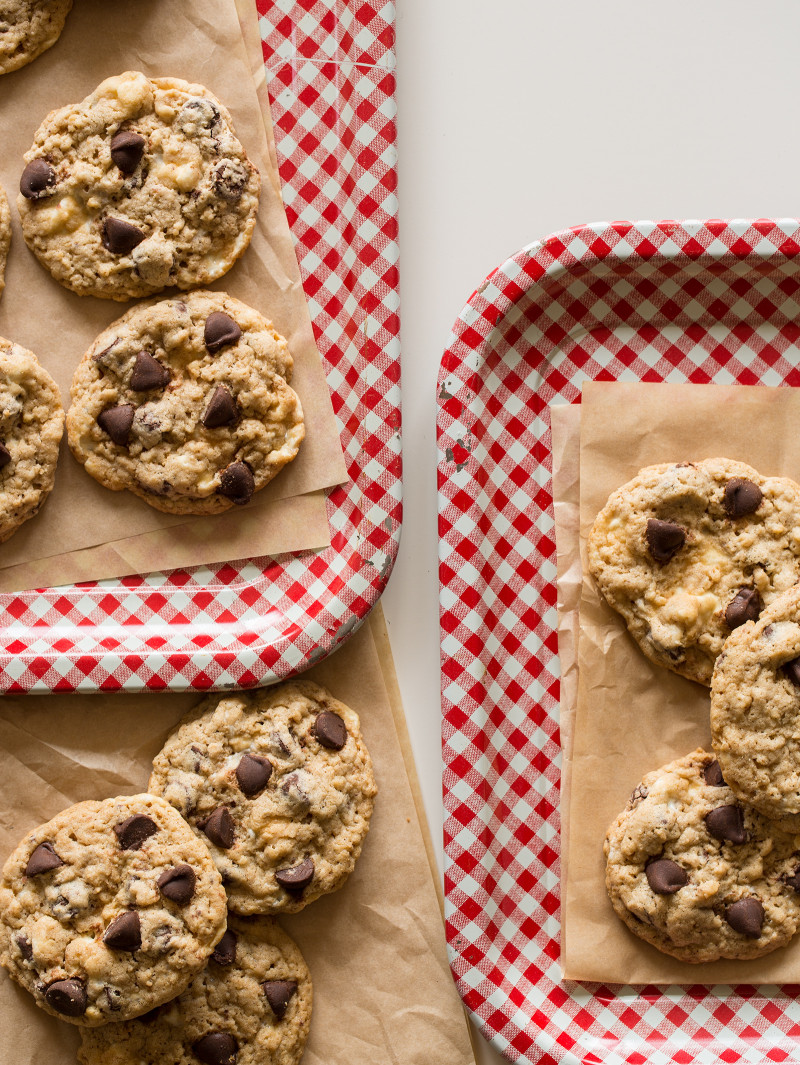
x=5, y=235
x=31, y=427
x=109, y=909
x=141, y=186
x=187, y=404
x=279, y=784
x=687, y=552
x=251, y=1006
x=28, y=28
x=698, y=875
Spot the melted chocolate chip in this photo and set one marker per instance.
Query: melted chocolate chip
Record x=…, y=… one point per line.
x=120, y=237
x=199, y=113
x=220, y=330
x=114, y=998
x=216, y=1048
x=712, y=774
x=253, y=773
x=665, y=877
x=133, y=831
x=5, y=456
x=664, y=539
x=791, y=670
x=237, y=483
x=792, y=880
x=26, y=947
x=43, y=859
x=639, y=794
x=225, y=950
x=218, y=826
x=279, y=994
x=222, y=409
x=116, y=422
x=726, y=823
x=746, y=916
x=746, y=605
x=127, y=149
x=67, y=997
x=330, y=730
x=741, y=497
x=178, y=883
x=38, y=179
x=229, y=179
x=148, y=373
x=296, y=878
x=124, y=932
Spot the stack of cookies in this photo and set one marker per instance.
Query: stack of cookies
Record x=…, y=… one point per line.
x=702, y=560
x=148, y=920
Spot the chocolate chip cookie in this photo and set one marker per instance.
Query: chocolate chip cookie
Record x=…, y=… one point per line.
x=28, y=28
x=697, y=874
x=31, y=427
x=187, y=404
x=109, y=909
x=279, y=784
x=687, y=552
x=141, y=186
x=251, y=1006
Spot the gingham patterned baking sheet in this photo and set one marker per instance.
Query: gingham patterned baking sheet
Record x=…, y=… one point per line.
x=705, y=301
x=330, y=70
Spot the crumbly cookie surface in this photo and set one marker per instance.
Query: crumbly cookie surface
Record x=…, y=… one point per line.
x=279, y=784
x=687, y=552
x=696, y=874
x=251, y=1007
x=186, y=403
x=28, y=28
x=109, y=909
x=141, y=186
x=755, y=710
x=31, y=427
x=5, y=235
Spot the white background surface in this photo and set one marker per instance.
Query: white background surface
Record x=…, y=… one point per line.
x=520, y=117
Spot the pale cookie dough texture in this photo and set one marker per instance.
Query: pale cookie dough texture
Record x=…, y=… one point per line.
x=141, y=186
x=755, y=710
x=31, y=427
x=687, y=552
x=697, y=875
x=28, y=28
x=187, y=404
x=279, y=784
x=109, y=909
x=5, y=235
x=251, y=1006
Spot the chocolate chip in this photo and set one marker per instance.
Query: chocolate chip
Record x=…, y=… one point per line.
x=43, y=859
x=119, y=236
x=741, y=497
x=114, y=998
x=639, y=794
x=198, y=113
x=124, y=932
x=229, y=180
x=67, y=997
x=296, y=878
x=26, y=947
x=792, y=880
x=237, y=483
x=279, y=994
x=222, y=409
x=116, y=422
x=178, y=883
x=330, y=730
x=225, y=950
x=726, y=823
x=217, y=1048
x=712, y=775
x=746, y=916
x=746, y=605
x=38, y=179
x=665, y=877
x=218, y=826
x=664, y=539
x=148, y=373
x=133, y=831
x=253, y=773
x=220, y=330
x=127, y=149
x=791, y=670
x=5, y=456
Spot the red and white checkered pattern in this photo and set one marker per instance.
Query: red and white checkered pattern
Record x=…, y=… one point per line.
x=330, y=73
x=710, y=301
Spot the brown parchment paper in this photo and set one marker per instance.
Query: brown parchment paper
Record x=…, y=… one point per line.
x=382, y=986
x=198, y=40
x=631, y=716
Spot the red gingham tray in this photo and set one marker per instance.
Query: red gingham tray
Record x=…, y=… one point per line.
x=330, y=70
x=709, y=301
